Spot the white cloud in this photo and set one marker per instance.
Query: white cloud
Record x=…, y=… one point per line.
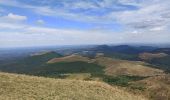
x=40, y=22
x=16, y=17
x=135, y=32
x=150, y=15
x=13, y=18
x=158, y=28
x=11, y=26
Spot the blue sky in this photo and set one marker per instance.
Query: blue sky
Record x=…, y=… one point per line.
x=75, y=22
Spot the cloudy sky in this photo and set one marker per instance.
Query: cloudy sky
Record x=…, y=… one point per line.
x=74, y=22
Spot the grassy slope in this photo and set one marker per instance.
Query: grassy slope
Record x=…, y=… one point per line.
x=156, y=88
x=70, y=58
x=123, y=56
x=51, y=70
x=148, y=56
x=28, y=64
x=91, y=69
x=125, y=67
x=21, y=87
x=162, y=63
x=157, y=60
x=112, y=66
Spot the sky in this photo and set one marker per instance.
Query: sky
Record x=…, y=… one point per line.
x=78, y=22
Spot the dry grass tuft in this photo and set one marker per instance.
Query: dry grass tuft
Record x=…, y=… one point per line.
x=157, y=87
x=21, y=87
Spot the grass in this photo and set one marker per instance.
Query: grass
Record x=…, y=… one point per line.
x=84, y=71
x=123, y=56
x=112, y=71
x=21, y=87
x=162, y=63
x=70, y=58
x=125, y=67
x=35, y=65
x=40, y=59
x=50, y=70
x=140, y=87
x=28, y=64
x=122, y=80
x=131, y=75
x=155, y=88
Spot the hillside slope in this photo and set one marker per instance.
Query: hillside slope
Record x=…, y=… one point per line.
x=111, y=66
x=125, y=67
x=158, y=60
x=21, y=87
x=70, y=58
x=149, y=56
x=30, y=63
x=156, y=88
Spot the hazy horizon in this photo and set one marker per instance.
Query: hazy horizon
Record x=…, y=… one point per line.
x=80, y=45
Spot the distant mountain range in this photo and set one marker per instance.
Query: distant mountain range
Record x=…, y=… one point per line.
x=122, y=49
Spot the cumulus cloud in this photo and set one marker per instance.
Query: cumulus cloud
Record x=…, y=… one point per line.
x=16, y=17
x=13, y=18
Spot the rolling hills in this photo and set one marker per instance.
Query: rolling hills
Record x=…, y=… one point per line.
x=140, y=73
x=29, y=63
x=112, y=66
